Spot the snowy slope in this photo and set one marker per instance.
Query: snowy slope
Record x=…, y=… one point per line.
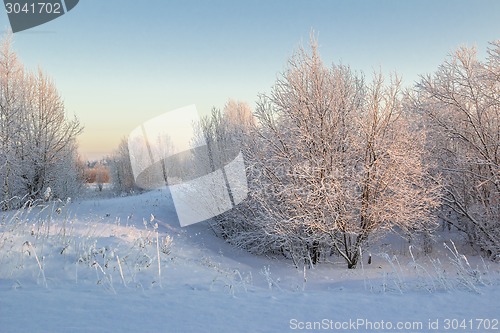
x=92, y=266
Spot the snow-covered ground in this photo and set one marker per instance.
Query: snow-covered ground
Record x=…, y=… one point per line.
x=92, y=266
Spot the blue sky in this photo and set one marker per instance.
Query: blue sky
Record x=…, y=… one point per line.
x=119, y=63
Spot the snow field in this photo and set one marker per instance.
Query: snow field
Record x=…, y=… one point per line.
x=124, y=264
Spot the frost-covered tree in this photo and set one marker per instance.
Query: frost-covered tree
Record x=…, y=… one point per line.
x=122, y=176
x=462, y=103
x=48, y=135
x=240, y=118
x=67, y=174
x=37, y=140
x=333, y=163
x=220, y=135
x=11, y=107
